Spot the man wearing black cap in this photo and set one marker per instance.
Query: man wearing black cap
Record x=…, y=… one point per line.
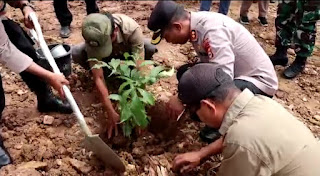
x=260, y=137
x=217, y=39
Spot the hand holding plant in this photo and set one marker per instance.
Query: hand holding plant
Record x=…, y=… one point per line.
x=132, y=94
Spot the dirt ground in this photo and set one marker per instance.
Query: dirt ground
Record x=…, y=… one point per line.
x=57, y=149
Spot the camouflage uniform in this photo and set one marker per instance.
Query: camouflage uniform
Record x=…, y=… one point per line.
x=296, y=24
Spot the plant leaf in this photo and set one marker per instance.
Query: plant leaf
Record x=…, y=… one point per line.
x=147, y=97
x=127, y=93
x=138, y=111
x=125, y=70
x=115, y=97
x=114, y=63
x=126, y=55
x=127, y=129
x=147, y=62
x=125, y=78
x=135, y=74
x=124, y=85
x=125, y=114
x=155, y=71
x=166, y=73
x=130, y=63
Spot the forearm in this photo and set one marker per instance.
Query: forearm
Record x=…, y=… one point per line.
x=212, y=149
x=104, y=95
x=39, y=71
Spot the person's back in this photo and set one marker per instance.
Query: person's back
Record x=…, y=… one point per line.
x=276, y=142
x=224, y=41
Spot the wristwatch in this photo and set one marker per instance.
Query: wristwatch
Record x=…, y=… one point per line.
x=26, y=4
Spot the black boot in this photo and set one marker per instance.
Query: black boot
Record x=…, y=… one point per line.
x=280, y=57
x=47, y=102
x=209, y=135
x=295, y=68
x=5, y=158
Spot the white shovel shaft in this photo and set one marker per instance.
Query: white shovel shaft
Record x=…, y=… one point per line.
x=43, y=45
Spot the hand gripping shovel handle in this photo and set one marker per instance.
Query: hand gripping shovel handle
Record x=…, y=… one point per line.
x=37, y=34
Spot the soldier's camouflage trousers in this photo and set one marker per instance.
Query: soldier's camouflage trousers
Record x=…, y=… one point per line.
x=296, y=24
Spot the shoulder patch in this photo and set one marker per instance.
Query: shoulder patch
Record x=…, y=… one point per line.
x=207, y=48
x=193, y=36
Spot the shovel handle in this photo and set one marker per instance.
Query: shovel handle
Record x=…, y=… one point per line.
x=76, y=111
x=43, y=45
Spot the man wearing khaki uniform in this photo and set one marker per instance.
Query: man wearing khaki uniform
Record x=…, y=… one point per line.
x=260, y=137
x=106, y=37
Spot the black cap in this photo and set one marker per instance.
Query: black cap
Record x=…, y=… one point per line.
x=199, y=81
x=160, y=18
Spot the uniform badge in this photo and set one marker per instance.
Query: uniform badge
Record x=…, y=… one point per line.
x=207, y=48
x=193, y=36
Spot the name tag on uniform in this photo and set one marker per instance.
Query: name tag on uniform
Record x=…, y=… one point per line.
x=207, y=48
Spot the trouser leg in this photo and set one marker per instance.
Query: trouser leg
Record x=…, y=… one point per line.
x=92, y=6
x=79, y=55
x=205, y=5
x=149, y=49
x=62, y=12
x=263, y=8
x=285, y=24
x=243, y=84
x=224, y=6
x=305, y=36
x=245, y=6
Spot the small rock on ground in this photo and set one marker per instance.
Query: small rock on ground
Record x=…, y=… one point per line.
x=48, y=120
x=80, y=166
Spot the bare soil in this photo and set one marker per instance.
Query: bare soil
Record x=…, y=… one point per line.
x=57, y=149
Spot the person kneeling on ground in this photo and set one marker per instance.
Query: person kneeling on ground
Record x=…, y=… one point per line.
x=260, y=137
x=220, y=40
x=109, y=36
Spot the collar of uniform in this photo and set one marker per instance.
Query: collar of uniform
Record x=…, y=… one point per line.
x=236, y=107
x=193, y=20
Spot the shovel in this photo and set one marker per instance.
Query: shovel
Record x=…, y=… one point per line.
x=92, y=141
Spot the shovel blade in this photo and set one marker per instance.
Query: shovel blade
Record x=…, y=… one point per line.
x=104, y=152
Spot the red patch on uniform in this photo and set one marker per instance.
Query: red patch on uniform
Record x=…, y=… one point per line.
x=193, y=36
x=207, y=48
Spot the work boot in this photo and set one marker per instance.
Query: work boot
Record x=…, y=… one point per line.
x=295, y=68
x=209, y=135
x=5, y=158
x=65, y=31
x=280, y=56
x=48, y=102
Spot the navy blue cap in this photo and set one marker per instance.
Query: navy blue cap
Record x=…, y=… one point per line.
x=161, y=17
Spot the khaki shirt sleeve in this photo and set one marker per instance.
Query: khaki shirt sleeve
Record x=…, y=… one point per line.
x=217, y=44
x=240, y=161
x=10, y=56
x=137, y=42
